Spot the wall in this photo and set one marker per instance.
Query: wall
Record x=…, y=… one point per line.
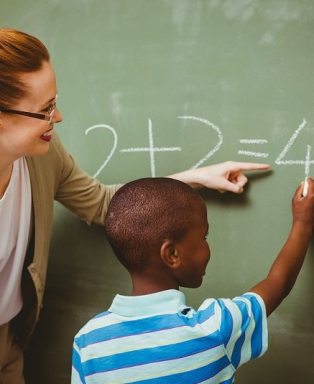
x=153, y=87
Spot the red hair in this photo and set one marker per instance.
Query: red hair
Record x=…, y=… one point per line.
x=19, y=53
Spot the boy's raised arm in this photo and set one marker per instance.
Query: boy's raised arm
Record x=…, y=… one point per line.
x=285, y=269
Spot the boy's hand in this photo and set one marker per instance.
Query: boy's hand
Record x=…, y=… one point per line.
x=303, y=207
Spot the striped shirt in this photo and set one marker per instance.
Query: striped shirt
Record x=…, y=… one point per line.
x=157, y=339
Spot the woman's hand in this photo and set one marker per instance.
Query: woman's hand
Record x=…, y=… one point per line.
x=224, y=177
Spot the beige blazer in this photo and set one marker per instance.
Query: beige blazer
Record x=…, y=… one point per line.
x=54, y=176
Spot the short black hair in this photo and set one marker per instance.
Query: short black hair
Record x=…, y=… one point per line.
x=144, y=212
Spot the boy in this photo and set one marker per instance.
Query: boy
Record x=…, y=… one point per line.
x=158, y=228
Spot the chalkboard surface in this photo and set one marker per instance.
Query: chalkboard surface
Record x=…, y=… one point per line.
x=151, y=87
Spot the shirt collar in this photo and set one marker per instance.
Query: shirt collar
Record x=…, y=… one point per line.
x=149, y=305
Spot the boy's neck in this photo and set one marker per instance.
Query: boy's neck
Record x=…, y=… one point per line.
x=143, y=284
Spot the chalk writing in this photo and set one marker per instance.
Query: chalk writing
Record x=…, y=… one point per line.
x=254, y=154
x=253, y=141
x=250, y=153
x=114, y=146
x=215, y=128
x=151, y=148
x=306, y=162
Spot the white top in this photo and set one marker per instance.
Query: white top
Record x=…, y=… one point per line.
x=15, y=224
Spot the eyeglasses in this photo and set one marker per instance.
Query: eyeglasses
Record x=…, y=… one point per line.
x=51, y=109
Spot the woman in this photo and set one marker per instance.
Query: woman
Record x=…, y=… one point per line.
x=35, y=170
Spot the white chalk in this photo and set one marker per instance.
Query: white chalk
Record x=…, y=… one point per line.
x=305, y=187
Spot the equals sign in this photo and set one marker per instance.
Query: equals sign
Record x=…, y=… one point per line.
x=251, y=153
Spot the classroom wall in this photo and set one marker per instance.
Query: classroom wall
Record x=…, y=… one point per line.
x=151, y=87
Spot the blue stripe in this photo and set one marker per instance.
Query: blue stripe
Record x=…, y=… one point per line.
x=129, y=328
x=257, y=341
x=142, y=326
x=226, y=323
x=151, y=355
x=204, y=314
x=236, y=353
x=76, y=363
x=192, y=377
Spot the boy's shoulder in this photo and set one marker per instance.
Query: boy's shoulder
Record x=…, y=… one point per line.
x=246, y=298
x=246, y=303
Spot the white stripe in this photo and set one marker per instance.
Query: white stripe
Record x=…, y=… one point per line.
x=99, y=322
x=159, y=369
x=75, y=377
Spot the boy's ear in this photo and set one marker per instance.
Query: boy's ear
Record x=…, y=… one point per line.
x=169, y=254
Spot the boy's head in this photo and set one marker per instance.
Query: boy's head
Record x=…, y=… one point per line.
x=159, y=223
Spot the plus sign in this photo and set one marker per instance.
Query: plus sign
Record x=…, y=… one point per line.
x=151, y=149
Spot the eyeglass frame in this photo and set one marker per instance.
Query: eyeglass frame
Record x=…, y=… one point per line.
x=40, y=116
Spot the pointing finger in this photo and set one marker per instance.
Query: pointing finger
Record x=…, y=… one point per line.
x=238, y=166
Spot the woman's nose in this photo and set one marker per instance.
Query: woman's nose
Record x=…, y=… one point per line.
x=57, y=118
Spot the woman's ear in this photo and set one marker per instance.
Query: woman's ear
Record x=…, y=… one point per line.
x=169, y=254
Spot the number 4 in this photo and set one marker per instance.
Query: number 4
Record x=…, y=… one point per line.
x=280, y=159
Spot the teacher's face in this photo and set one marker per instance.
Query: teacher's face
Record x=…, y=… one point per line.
x=28, y=136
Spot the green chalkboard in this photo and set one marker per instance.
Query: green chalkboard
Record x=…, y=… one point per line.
x=151, y=87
